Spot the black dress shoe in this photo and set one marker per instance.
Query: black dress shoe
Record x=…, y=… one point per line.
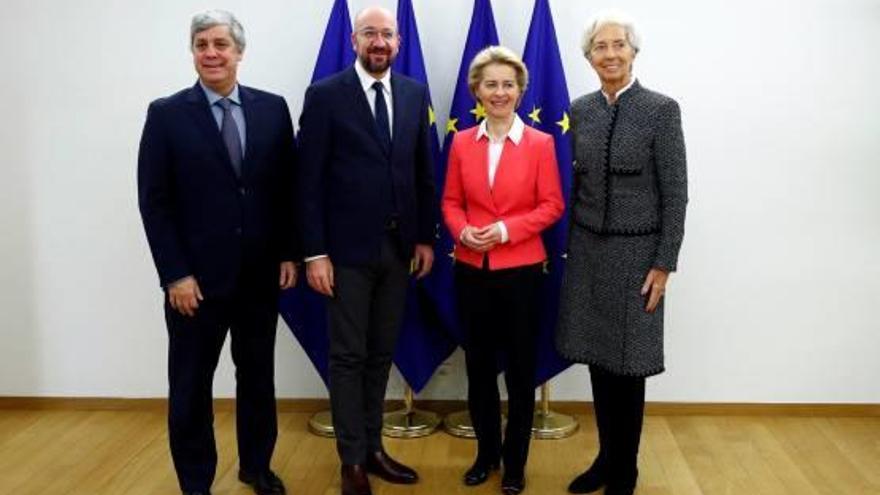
x=354, y=480
x=512, y=485
x=383, y=466
x=479, y=472
x=590, y=480
x=266, y=483
x=624, y=489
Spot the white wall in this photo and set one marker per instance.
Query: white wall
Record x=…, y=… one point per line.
x=777, y=295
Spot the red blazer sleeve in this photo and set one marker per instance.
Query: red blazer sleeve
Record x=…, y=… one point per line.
x=453, y=202
x=549, y=206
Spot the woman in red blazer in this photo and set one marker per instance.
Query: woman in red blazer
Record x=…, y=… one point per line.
x=502, y=190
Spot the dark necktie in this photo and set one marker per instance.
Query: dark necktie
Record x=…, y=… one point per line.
x=231, y=138
x=382, y=116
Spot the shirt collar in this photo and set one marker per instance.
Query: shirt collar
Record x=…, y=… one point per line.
x=214, y=97
x=621, y=91
x=367, y=80
x=515, y=133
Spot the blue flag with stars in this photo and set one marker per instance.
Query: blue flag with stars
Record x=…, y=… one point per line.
x=545, y=107
x=424, y=341
x=302, y=308
x=463, y=113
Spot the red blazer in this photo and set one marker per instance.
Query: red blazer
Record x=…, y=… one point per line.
x=526, y=195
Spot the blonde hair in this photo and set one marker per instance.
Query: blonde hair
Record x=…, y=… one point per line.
x=496, y=55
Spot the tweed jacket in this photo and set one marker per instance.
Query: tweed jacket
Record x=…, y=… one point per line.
x=630, y=173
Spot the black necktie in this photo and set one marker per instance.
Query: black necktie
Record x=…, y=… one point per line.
x=231, y=138
x=382, y=116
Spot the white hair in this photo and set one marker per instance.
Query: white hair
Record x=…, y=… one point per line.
x=611, y=17
x=211, y=18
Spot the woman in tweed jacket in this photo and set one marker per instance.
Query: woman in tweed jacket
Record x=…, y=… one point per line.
x=627, y=222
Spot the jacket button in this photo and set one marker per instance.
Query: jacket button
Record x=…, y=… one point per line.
x=238, y=231
x=242, y=191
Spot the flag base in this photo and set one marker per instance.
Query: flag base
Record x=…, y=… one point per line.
x=549, y=425
x=321, y=424
x=459, y=424
x=410, y=423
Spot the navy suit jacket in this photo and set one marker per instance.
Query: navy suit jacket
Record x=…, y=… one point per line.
x=200, y=218
x=343, y=166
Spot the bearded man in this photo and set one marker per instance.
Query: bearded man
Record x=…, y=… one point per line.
x=366, y=193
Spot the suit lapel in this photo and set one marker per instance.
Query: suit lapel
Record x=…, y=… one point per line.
x=248, y=104
x=362, y=106
x=482, y=151
x=398, y=94
x=204, y=119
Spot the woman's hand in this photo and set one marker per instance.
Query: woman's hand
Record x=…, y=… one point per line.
x=490, y=234
x=479, y=239
x=654, y=287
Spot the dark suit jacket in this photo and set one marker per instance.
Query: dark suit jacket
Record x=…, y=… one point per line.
x=344, y=168
x=200, y=218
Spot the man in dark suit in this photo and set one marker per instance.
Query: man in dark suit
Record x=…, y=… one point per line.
x=215, y=189
x=367, y=194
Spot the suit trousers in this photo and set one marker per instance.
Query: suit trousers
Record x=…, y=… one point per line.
x=194, y=349
x=619, y=404
x=363, y=320
x=499, y=312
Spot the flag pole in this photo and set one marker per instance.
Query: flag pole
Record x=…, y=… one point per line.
x=409, y=422
x=549, y=425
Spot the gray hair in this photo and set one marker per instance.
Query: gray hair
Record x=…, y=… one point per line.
x=212, y=18
x=611, y=18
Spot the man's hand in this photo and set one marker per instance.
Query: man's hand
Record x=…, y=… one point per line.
x=654, y=287
x=423, y=259
x=288, y=275
x=319, y=273
x=184, y=295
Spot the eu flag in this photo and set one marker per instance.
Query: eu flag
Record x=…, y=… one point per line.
x=424, y=342
x=464, y=113
x=545, y=107
x=302, y=308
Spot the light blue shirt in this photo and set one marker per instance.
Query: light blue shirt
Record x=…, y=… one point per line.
x=237, y=112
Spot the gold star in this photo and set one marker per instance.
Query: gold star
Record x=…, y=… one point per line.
x=535, y=115
x=432, y=117
x=479, y=112
x=564, y=124
x=450, y=125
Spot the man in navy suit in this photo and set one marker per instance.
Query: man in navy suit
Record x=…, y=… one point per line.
x=367, y=203
x=215, y=187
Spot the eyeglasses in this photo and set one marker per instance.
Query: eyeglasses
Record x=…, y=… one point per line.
x=373, y=34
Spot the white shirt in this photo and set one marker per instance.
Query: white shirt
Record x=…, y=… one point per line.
x=367, y=81
x=496, y=146
x=632, y=81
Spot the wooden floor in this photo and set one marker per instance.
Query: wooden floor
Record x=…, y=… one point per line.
x=126, y=452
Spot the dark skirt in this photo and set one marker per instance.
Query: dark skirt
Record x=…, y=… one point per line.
x=602, y=317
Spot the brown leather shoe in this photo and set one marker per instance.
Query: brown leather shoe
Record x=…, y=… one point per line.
x=354, y=480
x=383, y=466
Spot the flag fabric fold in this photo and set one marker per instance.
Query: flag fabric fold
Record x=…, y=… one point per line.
x=424, y=341
x=302, y=308
x=545, y=107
